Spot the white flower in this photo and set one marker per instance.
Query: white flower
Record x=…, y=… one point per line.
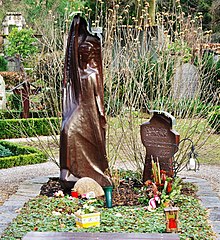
x=118, y=215
x=59, y=194
x=91, y=208
x=56, y=213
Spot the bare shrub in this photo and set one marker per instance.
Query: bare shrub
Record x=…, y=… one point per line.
x=139, y=62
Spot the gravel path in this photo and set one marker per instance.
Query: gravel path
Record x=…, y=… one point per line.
x=11, y=178
x=208, y=172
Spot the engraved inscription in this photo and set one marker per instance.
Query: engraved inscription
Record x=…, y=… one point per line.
x=165, y=153
x=156, y=132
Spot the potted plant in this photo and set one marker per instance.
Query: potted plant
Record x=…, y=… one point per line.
x=87, y=216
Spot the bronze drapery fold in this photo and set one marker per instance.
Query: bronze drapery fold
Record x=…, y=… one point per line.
x=82, y=138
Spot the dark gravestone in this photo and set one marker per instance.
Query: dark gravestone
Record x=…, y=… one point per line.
x=161, y=142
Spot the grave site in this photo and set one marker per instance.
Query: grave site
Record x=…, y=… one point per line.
x=109, y=120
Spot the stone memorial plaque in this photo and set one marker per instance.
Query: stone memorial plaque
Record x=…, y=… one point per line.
x=185, y=82
x=2, y=94
x=160, y=141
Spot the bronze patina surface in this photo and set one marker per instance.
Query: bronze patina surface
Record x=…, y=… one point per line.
x=161, y=143
x=82, y=139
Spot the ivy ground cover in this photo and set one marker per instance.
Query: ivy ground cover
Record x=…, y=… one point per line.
x=57, y=214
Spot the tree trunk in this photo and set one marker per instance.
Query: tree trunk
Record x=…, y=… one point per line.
x=152, y=11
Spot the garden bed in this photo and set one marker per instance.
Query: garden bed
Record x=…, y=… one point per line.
x=12, y=155
x=47, y=213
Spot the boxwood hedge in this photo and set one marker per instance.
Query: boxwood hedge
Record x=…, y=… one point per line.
x=15, y=114
x=22, y=155
x=30, y=127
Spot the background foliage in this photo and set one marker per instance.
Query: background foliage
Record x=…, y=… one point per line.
x=139, y=66
x=21, y=42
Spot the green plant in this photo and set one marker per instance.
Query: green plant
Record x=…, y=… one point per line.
x=55, y=214
x=5, y=152
x=21, y=42
x=86, y=208
x=28, y=127
x=13, y=114
x=15, y=102
x=161, y=190
x=214, y=119
x=20, y=155
x=3, y=64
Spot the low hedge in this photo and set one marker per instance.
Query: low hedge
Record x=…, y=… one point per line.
x=5, y=114
x=21, y=155
x=30, y=127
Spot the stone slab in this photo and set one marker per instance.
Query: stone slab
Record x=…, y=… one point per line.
x=26, y=194
x=10, y=208
x=206, y=192
x=210, y=202
x=7, y=218
x=216, y=227
x=100, y=236
x=195, y=180
x=160, y=141
x=17, y=204
x=215, y=215
x=39, y=180
x=18, y=198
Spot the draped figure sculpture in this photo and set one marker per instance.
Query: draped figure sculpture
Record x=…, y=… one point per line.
x=82, y=138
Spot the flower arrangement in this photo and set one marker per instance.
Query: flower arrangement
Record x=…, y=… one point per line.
x=87, y=216
x=86, y=209
x=161, y=190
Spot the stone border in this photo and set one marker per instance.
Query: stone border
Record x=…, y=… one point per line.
x=209, y=200
x=27, y=190
x=31, y=188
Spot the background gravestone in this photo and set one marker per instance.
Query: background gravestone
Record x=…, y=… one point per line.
x=2, y=94
x=185, y=83
x=14, y=64
x=161, y=142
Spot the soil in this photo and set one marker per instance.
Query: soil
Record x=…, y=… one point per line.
x=126, y=194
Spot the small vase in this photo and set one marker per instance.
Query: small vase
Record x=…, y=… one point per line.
x=87, y=220
x=74, y=194
x=108, y=196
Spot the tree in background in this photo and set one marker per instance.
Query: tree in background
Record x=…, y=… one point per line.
x=36, y=11
x=22, y=43
x=191, y=7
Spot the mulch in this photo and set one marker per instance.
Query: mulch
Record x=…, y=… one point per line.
x=126, y=194
x=123, y=195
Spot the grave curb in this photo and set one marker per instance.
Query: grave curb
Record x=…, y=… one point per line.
x=209, y=200
x=10, y=209
x=29, y=189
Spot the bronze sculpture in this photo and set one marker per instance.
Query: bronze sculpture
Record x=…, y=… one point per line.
x=82, y=138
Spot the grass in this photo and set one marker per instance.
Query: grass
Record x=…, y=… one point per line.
x=206, y=142
x=56, y=214
x=124, y=142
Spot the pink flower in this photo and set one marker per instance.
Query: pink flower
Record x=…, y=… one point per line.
x=152, y=202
